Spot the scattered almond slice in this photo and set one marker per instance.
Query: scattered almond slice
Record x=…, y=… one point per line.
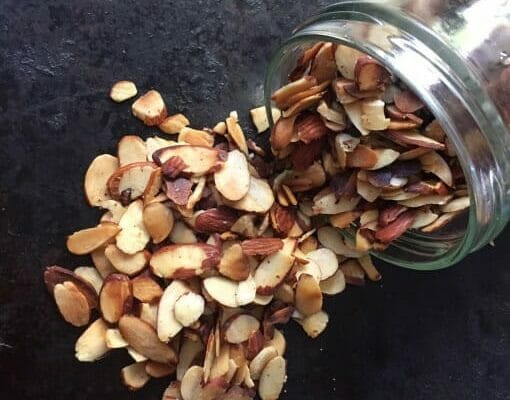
x=149, y=313
x=326, y=261
x=129, y=264
x=122, y=91
x=131, y=149
x=325, y=202
x=150, y=108
x=308, y=295
x=196, y=137
x=272, y=379
x=130, y=180
x=115, y=298
x=440, y=222
x=88, y=240
x=199, y=160
x=315, y=324
x=233, y=179
x=90, y=275
x=114, y=339
x=260, y=361
x=239, y=328
x=96, y=178
x=158, y=221
x=353, y=273
x=369, y=268
x=167, y=324
x=191, y=384
x=458, y=204
x=222, y=290
x=72, y=304
x=369, y=74
x=237, y=134
x=146, y=289
x=272, y=271
x=432, y=162
x=423, y=218
x=346, y=59
x=159, y=370
x=259, y=198
x=372, y=115
x=334, y=284
x=354, y=113
x=101, y=262
x=259, y=117
x=134, y=236
x=92, y=345
x=134, y=376
x=173, y=124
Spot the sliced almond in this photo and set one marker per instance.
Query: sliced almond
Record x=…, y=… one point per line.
x=134, y=376
x=91, y=345
x=72, y=303
x=88, y=240
x=426, y=200
x=362, y=157
x=346, y=59
x=115, y=298
x=220, y=364
x=91, y=276
x=131, y=149
x=150, y=108
x=334, y=284
x=272, y=271
x=285, y=293
x=122, y=91
x=260, y=361
x=196, y=137
x=116, y=209
x=326, y=260
x=237, y=134
x=372, y=115
x=283, y=132
x=156, y=143
x=199, y=160
x=260, y=120
x=458, y=204
x=423, y=218
x=354, y=113
x=259, y=198
x=414, y=138
x=222, y=290
x=101, y=262
x=353, y=273
x=272, y=379
x=191, y=384
x=308, y=295
x=159, y=370
x=129, y=264
x=413, y=153
x=440, y=222
x=188, y=308
x=407, y=101
x=432, y=162
x=158, y=220
x=233, y=179
x=345, y=219
x=189, y=351
x=370, y=74
x=246, y=292
x=173, y=391
x=130, y=180
x=146, y=289
x=213, y=389
x=183, y=261
x=325, y=202
x=149, y=313
x=303, y=104
x=96, y=178
x=167, y=325
x=234, y=263
x=332, y=239
x=324, y=66
x=239, y=328
x=384, y=158
x=366, y=190
x=114, y=339
x=369, y=268
x=181, y=234
x=284, y=93
x=315, y=324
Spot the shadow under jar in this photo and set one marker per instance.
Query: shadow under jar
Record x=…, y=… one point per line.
x=455, y=56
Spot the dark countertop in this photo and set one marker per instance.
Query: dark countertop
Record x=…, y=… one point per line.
x=441, y=335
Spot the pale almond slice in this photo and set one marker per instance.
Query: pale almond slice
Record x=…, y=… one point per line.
x=239, y=328
x=199, y=160
x=134, y=376
x=260, y=120
x=259, y=198
x=115, y=208
x=363, y=244
x=246, y=292
x=440, y=222
x=196, y=137
x=248, y=382
x=181, y=234
x=309, y=268
x=308, y=295
x=115, y=298
x=285, y=293
x=398, y=195
x=122, y=91
x=190, y=350
x=432, y=162
x=146, y=289
x=272, y=271
x=90, y=275
x=260, y=361
x=384, y=158
x=129, y=264
x=159, y=370
x=435, y=131
x=368, y=216
x=262, y=300
x=158, y=220
x=232, y=369
x=101, y=262
x=285, y=92
x=143, y=338
x=156, y=143
x=234, y=263
x=150, y=108
x=343, y=95
x=130, y=180
x=131, y=149
x=272, y=379
x=368, y=191
x=315, y=324
x=278, y=342
x=233, y=179
x=96, y=178
x=426, y=200
x=345, y=219
x=220, y=364
x=334, y=115
x=334, y=284
x=353, y=273
x=149, y=313
x=114, y=339
x=362, y=157
x=326, y=260
x=325, y=202
x=191, y=384
x=212, y=348
x=424, y=218
x=222, y=290
x=88, y=240
x=237, y=134
x=174, y=123
x=188, y=308
x=91, y=345
x=354, y=113
x=136, y=356
x=346, y=59
x=184, y=261
x=458, y=204
x=332, y=239
x=372, y=115
x=368, y=266
x=167, y=325
x=72, y=303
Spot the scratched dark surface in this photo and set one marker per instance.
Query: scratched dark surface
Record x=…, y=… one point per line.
x=441, y=335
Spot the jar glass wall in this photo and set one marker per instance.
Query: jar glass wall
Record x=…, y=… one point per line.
x=461, y=72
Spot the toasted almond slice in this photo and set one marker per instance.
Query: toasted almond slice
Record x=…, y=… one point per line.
x=369, y=216
x=362, y=157
x=260, y=361
x=188, y=308
x=143, y=338
x=344, y=219
x=259, y=117
x=181, y=234
x=413, y=153
x=246, y=292
x=167, y=324
x=324, y=66
x=414, y=138
x=368, y=191
x=158, y=370
x=91, y=345
x=146, y=289
x=346, y=59
x=234, y=263
x=396, y=228
x=326, y=260
x=101, y=262
x=115, y=208
x=384, y=158
x=149, y=313
x=369, y=74
x=440, y=222
x=191, y=384
x=156, y=143
x=308, y=295
x=232, y=369
x=334, y=115
x=173, y=391
x=341, y=87
x=296, y=98
x=262, y=300
x=122, y=91
x=54, y=275
x=432, y=162
x=458, y=204
x=90, y=275
x=285, y=92
x=325, y=202
x=398, y=195
x=237, y=134
x=184, y=261
x=353, y=273
x=332, y=239
x=285, y=293
x=220, y=128
x=114, y=339
x=222, y=290
x=72, y=303
x=354, y=113
x=88, y=240
x=272, y=271
x=96, y=178
x=220, y=364
x=425, y=200
x=315, y=324
x=174, y=123
x=212, y=348
x=134, y=376
x=303, y=104
x=239, y=328
x=259, y=198
x=129, y=264
x=199, y=160
x=131, y=180
x=134, y=236
x=189, y=351
x=158, y=220
x=309, y=268
x=196, y=137
x=423, y=218
x=272, y=379
x=283, y=132
x=150, y=108
x=115, y=298
x=334, y=284
x=372, y=115
x=369, y=268
x=233, y=179
x=131, y=149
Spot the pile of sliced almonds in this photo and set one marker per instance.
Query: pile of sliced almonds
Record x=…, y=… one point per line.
x=355, y=145
x=196, y=264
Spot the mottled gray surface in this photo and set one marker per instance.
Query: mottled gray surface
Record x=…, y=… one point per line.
x=442, y=335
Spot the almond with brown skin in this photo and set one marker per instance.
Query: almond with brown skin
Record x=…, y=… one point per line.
x=159, y=370
x=234, y=263
x=281, y=95
x=146, y=289
x=283, y=132
x=396, y=228
x=310, y=127
x=362, y=157
x=129, y=264
x=304, y=155
x=411, y=137
x=199, y=160
x=72, y=303
x=314, y=90
x=239, y=328
x=261, y=246
x=174, y=123
x=427, y=188
x=54, y=275
x=255, y=344
x=370, y=74
x=133, y=178
x=134, y=376
x=150, y=108
x=115, y=298
x=215, y=220
x=390, y=214
x=96, y=178
x=353, y=273
x=282, y=219
x=178, y=190
x=173, y=167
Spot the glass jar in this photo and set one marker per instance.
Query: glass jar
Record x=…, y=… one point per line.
x=455, y=55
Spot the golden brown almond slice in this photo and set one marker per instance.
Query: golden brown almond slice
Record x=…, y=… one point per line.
x=440, y=222
x=372, y=115
x=189, y=308
x=134, y=376
x=233, y=179
x=260, y=361
x=324, y=66
x=362, y=157
x=101, y=262
x=159, y=370
x=354, y=113
x=261, y=246
x=332, y=239
x=182, y=234
x=212, y=348
x=458, y=204
x=272, y=379
x=88, y=240
x=134, y=236
x=239, y=328
x=237, y=134
x=131, y=149
x=150, y=108
x=346, y=59
x=435, y=131
x=315, y=324
x=432, y=162
x=413, y=138
x=260, y=120
x=222, y=290
x=424, y=218
x=174, y=123
x=146, y=289
x=326, y=261
x=325, y=202
x=158, y=220
x=220, y=128
x=199, y=160
x=189, y=351
x=234, y=263
x=259, y=198
x=413, y=153
x=340, y=87
x=353, y=273
x=91, y=345
x=220, y=364
x=197, y=193
x=115, y=208
x=96, y=178
x=370, y=74
x=143, y=338
x=130, y=181
x=303, y=104
x=129, y=264
x=283, y=132
x=122, y=91
x=285, y=293
x=369, y=268
x=167, y=325
x=308, y=295
x=295, y=99
x=156, y=143
x=184, y=261
x=115, y=298
x=345, y=219
x=91, y=276
x=54, y=275
x=149, y=313
x=72, y=304
x=196, y=137
x=191, y=384
x=369, y=192
x=114, y=339
x=284, y=93
x=272, y=271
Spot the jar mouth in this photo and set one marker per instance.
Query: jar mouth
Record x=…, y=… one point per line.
x=437, y=83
